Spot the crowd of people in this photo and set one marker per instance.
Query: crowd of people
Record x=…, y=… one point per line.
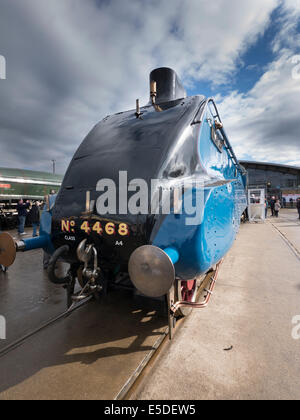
x=28, y=211
x=274, y=205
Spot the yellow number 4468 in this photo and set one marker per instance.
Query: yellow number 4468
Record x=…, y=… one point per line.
x=86, y=227
x=110, y=228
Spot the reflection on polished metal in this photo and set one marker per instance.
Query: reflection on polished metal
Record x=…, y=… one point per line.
x=218, y=125
x=8, y=249
x=84, y=253
x=20, y=245
x=151, y=271
x=204, y=303
x=138, y=109
x=153, y=91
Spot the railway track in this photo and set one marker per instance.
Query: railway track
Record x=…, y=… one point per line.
x=285, y=238
x=160, y=339
x=129, y=387
x=46, y=324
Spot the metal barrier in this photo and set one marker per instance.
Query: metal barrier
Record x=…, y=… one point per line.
x=256, y=205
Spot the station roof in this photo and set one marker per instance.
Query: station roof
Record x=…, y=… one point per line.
x=270, y=166
x=10, y=174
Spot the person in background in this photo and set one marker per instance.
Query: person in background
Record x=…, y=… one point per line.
x=46, y=256
x=34, y=218
x=277, y=207
x=298, y=206
x=272, y=205
x=284, y=202
x=291, y=202
x=22, y=214
x=266, y=208
x=2, y=268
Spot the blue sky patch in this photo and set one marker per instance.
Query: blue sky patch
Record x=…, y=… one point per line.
x=252, y=66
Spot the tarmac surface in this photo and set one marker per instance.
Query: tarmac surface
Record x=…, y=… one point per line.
x=241, y=346
x=27, y=298
x=88, y=355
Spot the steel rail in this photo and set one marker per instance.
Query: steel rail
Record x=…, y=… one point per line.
x=132, y=380
x=139, y=371
x=48, y=323
x=286, y=240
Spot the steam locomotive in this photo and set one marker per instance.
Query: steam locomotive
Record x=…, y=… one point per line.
x=152, y=198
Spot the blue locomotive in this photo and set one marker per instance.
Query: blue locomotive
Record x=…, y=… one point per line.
x=155, y=192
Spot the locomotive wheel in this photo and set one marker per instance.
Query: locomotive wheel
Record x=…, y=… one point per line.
x=185, y=290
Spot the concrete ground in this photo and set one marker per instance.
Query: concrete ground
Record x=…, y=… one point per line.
x=89, y=355
x=288, y=224
x=27, y=298
x=251, y=312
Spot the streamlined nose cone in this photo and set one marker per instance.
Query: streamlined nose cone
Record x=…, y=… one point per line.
x=8, y=250
x=151, y=271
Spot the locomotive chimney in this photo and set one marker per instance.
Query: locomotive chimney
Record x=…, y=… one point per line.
x=165, y=86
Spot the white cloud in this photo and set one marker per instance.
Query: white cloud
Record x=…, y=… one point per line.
x=264, y=123
x=72, y=62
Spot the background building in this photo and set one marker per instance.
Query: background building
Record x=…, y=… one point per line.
x=19, y=183
x=279, y=180
x=29, y=185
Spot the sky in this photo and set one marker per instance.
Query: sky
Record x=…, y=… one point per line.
x=69, y=63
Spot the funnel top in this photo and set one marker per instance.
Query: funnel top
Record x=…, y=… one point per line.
x=168, y=85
